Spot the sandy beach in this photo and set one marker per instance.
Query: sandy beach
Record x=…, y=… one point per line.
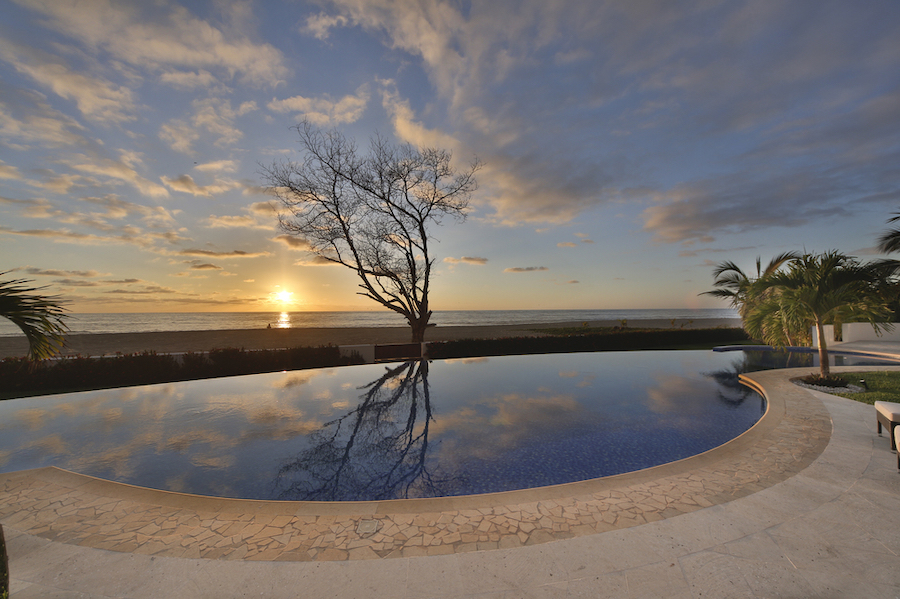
x=195, y=341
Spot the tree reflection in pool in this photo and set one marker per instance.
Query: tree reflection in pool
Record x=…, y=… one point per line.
x=371, y=432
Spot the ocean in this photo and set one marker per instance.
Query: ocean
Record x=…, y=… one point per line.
x=206, y=321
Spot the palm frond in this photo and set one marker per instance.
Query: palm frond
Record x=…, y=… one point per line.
x=41, y=318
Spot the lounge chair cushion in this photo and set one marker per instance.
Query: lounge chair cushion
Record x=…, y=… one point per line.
x=889, y=409
x=887, y=414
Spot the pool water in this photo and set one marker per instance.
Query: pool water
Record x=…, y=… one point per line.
x=371, y=432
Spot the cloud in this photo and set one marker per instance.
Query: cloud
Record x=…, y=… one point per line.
x=186, y=184
x=408, y=128
x=526, y=269
x=96, y=98
x=217, y=117
x=225, y=166
x=179, y=135
x=201, y=79
x=324, y=111
x=267, y=209
x=292, y=242
x=615, y=81
x=231, y=254
x=320, y=25
x=314, y=261
x=58, y=273
x=76, y=283
x=165, y=38
x=466, y=260
x=117, y=208
x=26, y=117
x=235, y=222
x=195, y=265
x=147, y=290
x=701, y=210
x=213, y=115
x=121, y=170
x=146, y=240
x=260, y=215
x=9, y=172
x=566, y=244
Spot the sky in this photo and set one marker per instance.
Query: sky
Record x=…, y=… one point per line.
x=627, y=147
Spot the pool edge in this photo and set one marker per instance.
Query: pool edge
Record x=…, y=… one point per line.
x=794, y=431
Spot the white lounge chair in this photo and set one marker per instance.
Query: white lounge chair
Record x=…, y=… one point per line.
x=887, y=414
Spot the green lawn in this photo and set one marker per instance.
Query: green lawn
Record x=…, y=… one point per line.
x=883, y=386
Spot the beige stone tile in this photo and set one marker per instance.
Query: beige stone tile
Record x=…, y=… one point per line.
x=713, y=574
x=602, y=586
x=660, y=579
x=501, y=570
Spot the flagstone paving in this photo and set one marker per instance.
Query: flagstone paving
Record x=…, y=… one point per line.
x=70, y=508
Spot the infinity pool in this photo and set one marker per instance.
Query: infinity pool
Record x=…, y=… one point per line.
x=419, y=429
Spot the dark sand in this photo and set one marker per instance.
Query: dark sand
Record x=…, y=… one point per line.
x=194, y=341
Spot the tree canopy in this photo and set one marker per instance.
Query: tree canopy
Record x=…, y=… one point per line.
x=371, y=213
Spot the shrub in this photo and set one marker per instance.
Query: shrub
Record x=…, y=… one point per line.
x=610, y=339
x=20, y=378
x=818, y=380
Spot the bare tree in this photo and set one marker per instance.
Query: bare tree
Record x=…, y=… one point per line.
x=372, y=213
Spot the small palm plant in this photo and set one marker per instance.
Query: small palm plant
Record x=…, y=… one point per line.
x=41, y=318
x=745, y=292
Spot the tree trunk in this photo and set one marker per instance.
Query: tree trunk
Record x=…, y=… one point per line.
x=418, y=326
x=824, y=367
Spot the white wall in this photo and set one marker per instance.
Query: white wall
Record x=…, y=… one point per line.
x=856, y=331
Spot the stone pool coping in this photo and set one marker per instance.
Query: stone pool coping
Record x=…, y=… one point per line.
x=71, y=508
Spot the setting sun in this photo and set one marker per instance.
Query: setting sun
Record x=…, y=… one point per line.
x=284, y=297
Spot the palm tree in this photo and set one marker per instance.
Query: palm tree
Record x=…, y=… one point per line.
x=890, y=240
x=744, y=292
x=41, y=318
x=818, y=289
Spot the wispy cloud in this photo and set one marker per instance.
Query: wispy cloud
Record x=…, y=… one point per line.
x=26, y=119
x=186, y=184
x=228, y=254
x=325, y=111
x=49, y=272
x=466, y=260
x=96, y=98
x=119, y=170
x=217, y=166
x=314, y=261
x=146, y=240
x=9, y=172
x=526, y=269
x=197, y=265
x=165, y=38
x=292, y=242
x=213, y=116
